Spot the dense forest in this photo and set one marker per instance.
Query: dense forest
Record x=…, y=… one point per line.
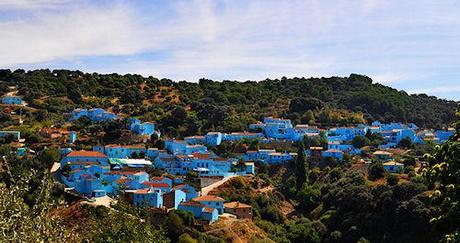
x=186, y=108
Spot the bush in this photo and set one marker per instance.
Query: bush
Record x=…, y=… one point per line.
x=376, y=171
x=392, y=180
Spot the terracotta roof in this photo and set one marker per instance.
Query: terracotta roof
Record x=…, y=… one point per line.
x=209, y=198
x=158, y=178
x=192, y=204
x=382, y=152
x=153, y=184
x=86, y=154
x=142, y=191
x=208, y=210
x=236, y=205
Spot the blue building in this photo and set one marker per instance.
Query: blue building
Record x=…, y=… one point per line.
x=212, y=202
x=85, y=156
x=190, y=191
x=179, y=147
x=214, y=138
x=237, y=136
x=346, y=148
x=126, y=151
x=145, y=197
x=12, y=100
x=15, y=135
x=146, y=128
x=195, y=140
x=73, y=136
x=443, y=135
x=333, y=153
x=393, y=167
x=200, y=211
x=95, y=115
x=173, y=198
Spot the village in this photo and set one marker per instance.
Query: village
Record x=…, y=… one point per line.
x=181, y=173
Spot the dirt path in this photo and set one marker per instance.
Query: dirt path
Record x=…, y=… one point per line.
x=207, y=189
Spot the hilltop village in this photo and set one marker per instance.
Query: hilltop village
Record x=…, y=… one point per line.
x=180, y=172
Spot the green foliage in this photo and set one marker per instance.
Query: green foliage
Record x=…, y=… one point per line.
x=443, y=176
x=376, y=171
x=300, y=167
x=360, y=141
x=405, y=143
x=392, y=179
x=209, y=105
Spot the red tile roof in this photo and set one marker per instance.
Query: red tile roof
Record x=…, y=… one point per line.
x=153, y=184
x=236, y=205
x=209, y=198
x=208, y=209
x=192, y=204
x=86, y=154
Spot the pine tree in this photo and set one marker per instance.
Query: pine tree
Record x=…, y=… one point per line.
x=300, y=167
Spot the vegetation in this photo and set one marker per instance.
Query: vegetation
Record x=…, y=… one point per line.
x=183, y=108
x=298, y=202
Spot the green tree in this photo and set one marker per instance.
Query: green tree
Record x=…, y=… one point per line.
x=300, y=167
x=444, y=176
x=376, y=171
x=360, y=141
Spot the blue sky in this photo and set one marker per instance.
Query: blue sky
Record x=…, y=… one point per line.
x=409, y=45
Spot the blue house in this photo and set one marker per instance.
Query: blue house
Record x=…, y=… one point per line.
x=195, y=140
x=126, y=151
x=146, y=128
x=145, y=197
x=190, y=191
x=443, y=135
x=73, y=136
x=12, y=100
x=15, y=135
x=214, y=138
x=212, y=202
x=346, y=148
x=163, y=179
x=200, y=211
x=95, y=115
x=333, y=153
x=237, y=136
x=181, y=147
x=85, y=156
x=393, y=167
x=173, y=198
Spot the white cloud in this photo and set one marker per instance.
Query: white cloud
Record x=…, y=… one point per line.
x=30, y=4
x=80, y=32
x=393, y=42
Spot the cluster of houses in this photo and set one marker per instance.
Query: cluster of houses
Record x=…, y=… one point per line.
x=93, y=174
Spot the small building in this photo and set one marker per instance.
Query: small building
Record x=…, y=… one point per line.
x=14, y=135
x=393, y=167
x=190, y=191
x=73, y=136
x=173, y=198
x=241, y=210
x=200, y=211
x=383, y=155
x=145, y=197
x=12, y=100
x=212, y=201
x=333, y=153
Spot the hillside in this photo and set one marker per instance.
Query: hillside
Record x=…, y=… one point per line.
x=186, y=108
